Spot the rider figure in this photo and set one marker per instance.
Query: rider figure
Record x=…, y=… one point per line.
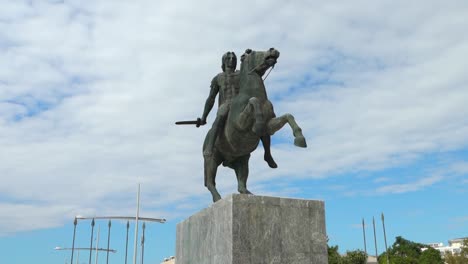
x=226, y=84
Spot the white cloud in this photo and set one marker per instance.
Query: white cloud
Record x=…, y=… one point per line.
x=381, y=179
x=38, y=216
x=459, y=168
x=460, y=219
x=409, y=187
x=89, y=93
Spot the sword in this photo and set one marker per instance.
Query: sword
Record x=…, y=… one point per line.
x=197, y=122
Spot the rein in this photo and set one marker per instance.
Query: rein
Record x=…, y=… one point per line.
x=269, y=72
x=261, y=65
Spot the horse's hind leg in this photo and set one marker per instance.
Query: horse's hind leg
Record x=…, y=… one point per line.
x=211, y=167
x=277, y=123
x=241, y=167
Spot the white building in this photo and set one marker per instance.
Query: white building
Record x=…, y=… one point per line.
x=169, y=260
x=454, y=246
x=457, y=242
x=372, y=259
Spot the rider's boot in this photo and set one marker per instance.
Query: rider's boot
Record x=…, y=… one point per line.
x=266, y=141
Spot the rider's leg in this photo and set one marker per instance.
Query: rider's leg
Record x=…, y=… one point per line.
x=266, y=142
x=216, y=128
x=211, y=166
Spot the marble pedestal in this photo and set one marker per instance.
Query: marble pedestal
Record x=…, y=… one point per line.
x=247, y=229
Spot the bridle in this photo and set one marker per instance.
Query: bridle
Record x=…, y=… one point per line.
x=261, y=65
x=269, y=72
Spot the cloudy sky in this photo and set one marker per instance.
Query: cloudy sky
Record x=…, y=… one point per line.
x=90, y=91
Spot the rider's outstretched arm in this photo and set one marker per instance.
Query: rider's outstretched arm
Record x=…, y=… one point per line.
x=214, y=89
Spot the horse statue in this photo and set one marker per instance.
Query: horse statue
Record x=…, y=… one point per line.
x=250, y=117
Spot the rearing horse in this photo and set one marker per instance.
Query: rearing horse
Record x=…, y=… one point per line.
x=251, y=116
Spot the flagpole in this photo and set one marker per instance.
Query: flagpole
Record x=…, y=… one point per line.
x=73, y=243
x=135, y=249
x=143, y=243
x=108, y=241
x=126, y=242
x=385, y=238
x=91, y=246
x=364, y=235
x=97, y=244
x=375, y=239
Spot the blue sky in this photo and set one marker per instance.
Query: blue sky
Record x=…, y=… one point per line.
x=89, y=92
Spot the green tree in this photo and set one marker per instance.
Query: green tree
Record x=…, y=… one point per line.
x=450, y=258
x=382, y=258
x=355, y=257
x=461, y=258
x=403, y=251
x=430, y=256
x=334, y=256
x=464, y=251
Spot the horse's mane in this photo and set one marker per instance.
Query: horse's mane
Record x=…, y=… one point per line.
x=246, y=61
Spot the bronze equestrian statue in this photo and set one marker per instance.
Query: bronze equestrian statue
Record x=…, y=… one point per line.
x=245, y=117
x=226, y=84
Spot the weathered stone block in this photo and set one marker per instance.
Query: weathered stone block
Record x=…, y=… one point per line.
x=248, y=229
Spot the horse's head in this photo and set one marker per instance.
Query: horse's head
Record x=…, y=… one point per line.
x=258, y=61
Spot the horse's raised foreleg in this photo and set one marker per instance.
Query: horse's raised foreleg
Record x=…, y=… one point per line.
x=241, y=167
x=252, y=115
x=277, y=123
x=211, y=167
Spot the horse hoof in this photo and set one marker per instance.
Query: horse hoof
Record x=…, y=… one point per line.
x=245, y=191
x=300, y=142
x=216, y=198
x=271, y=162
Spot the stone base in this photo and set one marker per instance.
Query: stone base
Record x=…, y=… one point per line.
x=248, y=229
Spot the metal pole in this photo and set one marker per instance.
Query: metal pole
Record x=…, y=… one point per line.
x=135, y=249
x=364, y=235
x=86, y=248
x=91, y=246
x=108, y=242
x=375, y=239
x=78, y=258
x=126, y=243
x=147, y=219
x=97, y=244
x=385, y=238
x=73, y=243
x=143, y=243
